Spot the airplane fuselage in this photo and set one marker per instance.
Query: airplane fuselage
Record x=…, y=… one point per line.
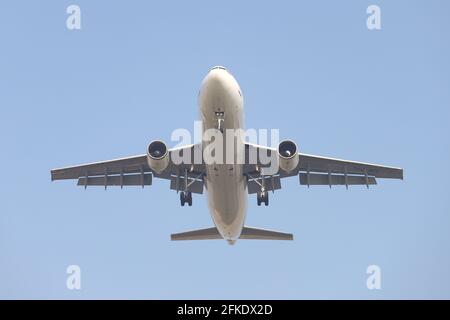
x=222, y=107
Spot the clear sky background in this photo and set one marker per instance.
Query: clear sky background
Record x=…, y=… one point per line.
x=310, y=68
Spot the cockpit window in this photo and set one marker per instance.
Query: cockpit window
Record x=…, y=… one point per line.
x=219, y=67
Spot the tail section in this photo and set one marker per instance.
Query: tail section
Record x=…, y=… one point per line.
x=247, y=233
x=201, y=234
x=263, y=234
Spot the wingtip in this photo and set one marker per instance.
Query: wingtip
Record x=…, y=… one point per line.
x=401, y=174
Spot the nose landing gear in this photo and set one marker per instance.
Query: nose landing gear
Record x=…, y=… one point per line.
x=220, y=118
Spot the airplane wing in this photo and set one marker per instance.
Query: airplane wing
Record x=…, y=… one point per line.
x=134, y=171
x=318, y=170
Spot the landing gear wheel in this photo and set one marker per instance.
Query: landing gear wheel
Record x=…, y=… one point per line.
x=266, y=200
x=189, y=198
x=186, y=197
x=263, y=196
x=182, y=198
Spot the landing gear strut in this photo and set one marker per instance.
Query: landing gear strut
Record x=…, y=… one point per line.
x=186, y=197
x=220, y=117
x=263, y=196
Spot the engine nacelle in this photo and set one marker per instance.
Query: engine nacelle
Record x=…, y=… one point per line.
x=287, y=155
x=157, y=156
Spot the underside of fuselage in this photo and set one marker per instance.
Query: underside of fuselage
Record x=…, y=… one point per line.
x=221, y=108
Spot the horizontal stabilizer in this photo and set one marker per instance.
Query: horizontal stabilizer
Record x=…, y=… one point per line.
x=263, y=234
x=247, y=233
x=201, y=234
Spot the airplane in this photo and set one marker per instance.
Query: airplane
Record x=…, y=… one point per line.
x=227, y=185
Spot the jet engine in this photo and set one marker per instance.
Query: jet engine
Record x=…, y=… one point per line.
x=287, y=155
x=157, y=156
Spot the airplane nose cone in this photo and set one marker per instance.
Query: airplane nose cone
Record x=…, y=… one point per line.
x=219, y=89
x=216, y=79
x=218, y=85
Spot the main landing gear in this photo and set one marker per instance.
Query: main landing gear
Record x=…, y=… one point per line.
x=186, y=197
x=263, y=196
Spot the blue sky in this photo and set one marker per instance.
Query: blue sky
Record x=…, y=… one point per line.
x=310, y=68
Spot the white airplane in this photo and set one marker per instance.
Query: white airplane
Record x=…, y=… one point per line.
x=227, y=184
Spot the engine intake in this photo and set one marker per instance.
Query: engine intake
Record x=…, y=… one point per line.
x=157, y=156
x=287, y=155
